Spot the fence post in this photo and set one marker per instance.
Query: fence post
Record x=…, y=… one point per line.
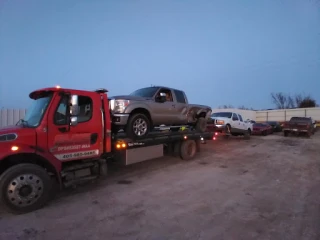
x=305, y=112
x=267, y=116
x=285, y=115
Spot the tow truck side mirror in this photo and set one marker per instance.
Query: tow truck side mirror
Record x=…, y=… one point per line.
x=74, y=110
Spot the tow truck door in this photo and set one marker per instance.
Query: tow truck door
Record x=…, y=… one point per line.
x=83, y=141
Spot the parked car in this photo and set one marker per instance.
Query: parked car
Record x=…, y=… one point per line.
x=141, y=111
x=231, y=123
x=298, y=125
x=276, y=126
x=262, y=129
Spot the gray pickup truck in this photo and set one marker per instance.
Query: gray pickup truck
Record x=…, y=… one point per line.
x=139, y=112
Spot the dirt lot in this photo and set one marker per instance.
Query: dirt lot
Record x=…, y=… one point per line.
x=264, y=188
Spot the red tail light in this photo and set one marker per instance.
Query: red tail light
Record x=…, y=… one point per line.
x=214, y=138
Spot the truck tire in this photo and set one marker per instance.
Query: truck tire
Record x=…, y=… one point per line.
x=201, y=124
x=24, y=188
x=188, y=149
x=285, y=133
x=228, y=129
x=138, y=126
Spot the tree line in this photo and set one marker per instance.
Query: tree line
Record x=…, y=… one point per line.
x=284, y=101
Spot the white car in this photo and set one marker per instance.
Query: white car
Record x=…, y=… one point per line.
x=232, y=123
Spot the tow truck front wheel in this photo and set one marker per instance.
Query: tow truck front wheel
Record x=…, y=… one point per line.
x=24, y=188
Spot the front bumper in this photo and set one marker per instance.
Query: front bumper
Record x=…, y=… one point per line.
x=216, y=128
x=120, y=119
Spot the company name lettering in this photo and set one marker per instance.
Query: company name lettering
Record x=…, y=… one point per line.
x=73, y=147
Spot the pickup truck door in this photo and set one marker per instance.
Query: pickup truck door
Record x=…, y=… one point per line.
x=163, y=112
x=235, y=123
x=243, y=125
x=180, y=107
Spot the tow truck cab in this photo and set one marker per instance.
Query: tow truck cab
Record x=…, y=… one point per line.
x=66, y=136
x=62, y=125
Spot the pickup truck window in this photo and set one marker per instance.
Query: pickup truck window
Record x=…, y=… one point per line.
x=180, y=96
x=235, y=117
x=240, y=118
x=148, y=92
x=168, y=93
x=85, y=110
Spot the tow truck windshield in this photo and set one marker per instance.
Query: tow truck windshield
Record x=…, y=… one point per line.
x=36, y=111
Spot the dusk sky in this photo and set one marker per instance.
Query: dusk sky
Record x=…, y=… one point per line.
x=218, y=52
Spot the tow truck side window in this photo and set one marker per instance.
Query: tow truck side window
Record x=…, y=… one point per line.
x=85, y=110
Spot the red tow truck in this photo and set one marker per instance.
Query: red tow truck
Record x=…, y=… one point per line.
x=66, y=138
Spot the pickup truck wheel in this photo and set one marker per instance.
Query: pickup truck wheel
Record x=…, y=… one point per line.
x=228, y=129
x=285, y=133
x=201, y=124
x=246, y=135
x=138, y=126
x=24, y=188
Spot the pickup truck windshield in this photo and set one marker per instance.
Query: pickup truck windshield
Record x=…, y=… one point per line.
x=36, y=111
x=145, y=92
x=222, y=114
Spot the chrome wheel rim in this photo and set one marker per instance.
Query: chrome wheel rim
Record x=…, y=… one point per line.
x=140, y=127
x=24, y=190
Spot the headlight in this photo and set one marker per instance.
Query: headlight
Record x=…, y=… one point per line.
x=220, y=122
x=118, y=106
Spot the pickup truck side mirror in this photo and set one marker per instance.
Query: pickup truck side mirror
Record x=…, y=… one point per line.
x=162, y=97
x=74, y=110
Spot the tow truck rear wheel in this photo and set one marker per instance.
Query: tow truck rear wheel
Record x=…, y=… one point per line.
x=188, y=149
x=24, y=188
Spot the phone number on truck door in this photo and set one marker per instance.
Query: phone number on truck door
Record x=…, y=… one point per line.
x=74, y=155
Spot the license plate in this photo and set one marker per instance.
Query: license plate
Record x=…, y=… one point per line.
x=295, y=130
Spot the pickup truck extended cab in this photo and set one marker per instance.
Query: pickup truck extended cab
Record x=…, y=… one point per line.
x=299, y=125
x=146, y=108
x=231, y=123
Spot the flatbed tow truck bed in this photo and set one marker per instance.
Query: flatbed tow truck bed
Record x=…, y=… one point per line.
x=183, y=144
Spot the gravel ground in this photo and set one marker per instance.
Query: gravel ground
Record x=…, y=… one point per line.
x=264, y=188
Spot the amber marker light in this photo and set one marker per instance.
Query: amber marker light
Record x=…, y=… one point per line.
x=14, y=148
